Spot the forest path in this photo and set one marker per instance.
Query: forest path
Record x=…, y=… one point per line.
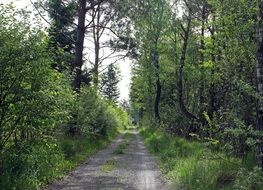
x=132, y=168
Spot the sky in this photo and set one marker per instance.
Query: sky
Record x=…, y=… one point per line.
x=124, y=65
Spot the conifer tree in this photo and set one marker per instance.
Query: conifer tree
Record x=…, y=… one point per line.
x=62, y=31
x=109, y=83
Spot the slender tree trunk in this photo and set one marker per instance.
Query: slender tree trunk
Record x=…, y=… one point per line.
x=180, y=73
x=202, y=59
x=78, y=62
x=158, y=99
x=155, y=59
x=212, y=94
x=260, y=83
x=96, y=36
x=158, y=96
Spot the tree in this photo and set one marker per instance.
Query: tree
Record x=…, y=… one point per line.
x=109, y=85
x=79, y=46
x=186, y=35
x=109, y=21
x=62, y=32
x=32, y=94
x=150, y=19
x=260, y=82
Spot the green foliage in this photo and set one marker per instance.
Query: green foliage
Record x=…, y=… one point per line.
x=33, y=96
x=61, y=33
x=191, y=165
x=120, y=149
x=109, y=83
x=31, y=165
x=77, y=149
x=218, y=80
x=249, y=180
x=96, y=117
x=36, y=105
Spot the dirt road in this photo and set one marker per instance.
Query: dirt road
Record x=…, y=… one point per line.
x=133, y=169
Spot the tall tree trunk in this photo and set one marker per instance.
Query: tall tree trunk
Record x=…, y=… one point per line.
x=202, y=59
x=212, y=94
x=180, y=73
x=96, y=36
x=158, y=89
x=260, y=83
x=78, y=62
x=158, y=99
x=155, y=59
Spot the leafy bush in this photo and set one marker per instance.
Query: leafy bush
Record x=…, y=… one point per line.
x=33, y=95
x=37, y=101
x=97, y=117
x=249, y=180
x=31, y=165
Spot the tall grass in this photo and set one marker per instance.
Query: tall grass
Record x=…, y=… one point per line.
x=191, y=165
x=40, y=163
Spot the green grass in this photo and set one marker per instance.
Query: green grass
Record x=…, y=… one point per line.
x=192, y=166
x=40, y=163
x=119, y=149
x=76, y=150
x=109, y=165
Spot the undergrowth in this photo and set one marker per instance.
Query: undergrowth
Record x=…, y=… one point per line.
x=76, y=150
x=191, y=165
x=40, y=163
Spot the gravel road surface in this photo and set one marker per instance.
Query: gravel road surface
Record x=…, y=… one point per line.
x=135, y=169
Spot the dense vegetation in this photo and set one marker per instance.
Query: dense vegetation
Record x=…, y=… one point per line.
x=195, y=78
x=196, y=165
x=196, y=88
x=46, y=128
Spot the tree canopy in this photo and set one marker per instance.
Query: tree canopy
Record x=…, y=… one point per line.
x=196, y=88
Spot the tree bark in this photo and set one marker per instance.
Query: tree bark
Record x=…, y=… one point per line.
x=202, y=59
x=155, y=59
x=78, y=62
x=212, y=106
x=96, y=37
x=182, y=63
x=260, y=83
x=158, y=90
x=202, y=70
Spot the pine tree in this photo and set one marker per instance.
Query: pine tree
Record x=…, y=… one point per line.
x=109, y=83
x=62, y=31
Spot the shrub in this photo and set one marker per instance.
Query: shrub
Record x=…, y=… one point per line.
x=31, y=165
x=249, y=179
x=97, y=117
x=35, y=100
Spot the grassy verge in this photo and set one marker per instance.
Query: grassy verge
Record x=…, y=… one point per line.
x=192, y=166
x=76, y=150
x=40, y=163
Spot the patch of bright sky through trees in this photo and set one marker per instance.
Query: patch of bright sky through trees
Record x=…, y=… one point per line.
x=124, y=64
